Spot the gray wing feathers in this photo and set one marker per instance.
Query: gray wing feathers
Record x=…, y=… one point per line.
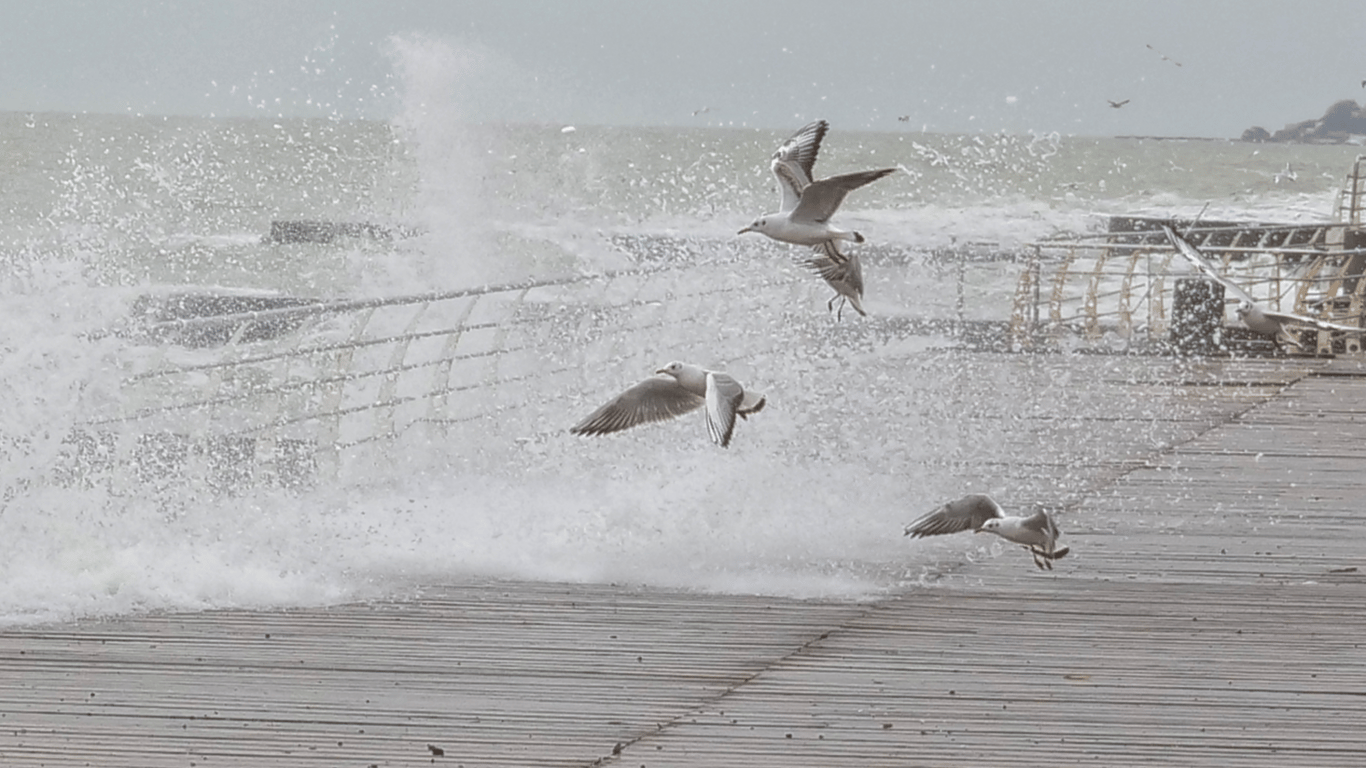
x=658, y=398
x=822, y=198
x=1041, y=523
x=1286, y=317
x=790, y=184
x=724, y=395
x=1197, y=259
x=793, y=162
x=965, y=514
x=836, y=267
x=802, y=148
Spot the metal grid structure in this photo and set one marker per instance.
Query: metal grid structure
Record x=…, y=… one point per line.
x=1118, y=285
x=1099, y=286
x=1352, y=198
x=353, y=373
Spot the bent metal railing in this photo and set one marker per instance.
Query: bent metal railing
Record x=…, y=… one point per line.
x=351, y=373
x=1351, y=199
x=1118, y=287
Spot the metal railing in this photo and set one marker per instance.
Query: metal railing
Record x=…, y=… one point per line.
x=358, y=372
x=1351, y=198
x=1121, y=285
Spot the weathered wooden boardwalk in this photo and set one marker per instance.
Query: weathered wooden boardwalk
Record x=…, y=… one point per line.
x=1213, y=613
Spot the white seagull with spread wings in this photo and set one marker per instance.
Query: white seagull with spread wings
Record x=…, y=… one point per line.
x=806, y=207
x=1249, y=311
x=676, y=389
x=980, y=513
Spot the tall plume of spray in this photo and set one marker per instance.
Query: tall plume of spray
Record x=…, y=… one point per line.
x=437, y=125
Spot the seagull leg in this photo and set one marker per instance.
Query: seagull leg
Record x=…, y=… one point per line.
x=1040, y=558
x=1044, y=557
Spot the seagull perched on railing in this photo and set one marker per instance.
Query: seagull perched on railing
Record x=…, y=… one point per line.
x=674, y=390
x=1253, y=315
x=806, y=208
x=980, y=513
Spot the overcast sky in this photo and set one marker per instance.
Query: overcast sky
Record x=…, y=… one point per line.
x=962, y=66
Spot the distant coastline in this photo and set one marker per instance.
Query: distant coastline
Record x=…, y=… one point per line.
x=1343, y=123
x=1173, y=138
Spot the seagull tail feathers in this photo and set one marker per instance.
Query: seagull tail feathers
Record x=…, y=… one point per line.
x=857, y=304
x=748, y=407
x=1056, y=554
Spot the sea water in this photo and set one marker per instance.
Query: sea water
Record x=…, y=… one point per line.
x=862, y=433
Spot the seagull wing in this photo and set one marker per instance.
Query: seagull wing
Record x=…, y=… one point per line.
x=1286, y=317
x=724, y=395
x=842, y=271
x=1042, y=524
x=1197, y=259
x=793, y=162
x=791, y=184
x=965, y=514
x=658, y=398
x=820, y=200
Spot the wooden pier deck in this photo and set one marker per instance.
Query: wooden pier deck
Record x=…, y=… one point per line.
x=1213, y=613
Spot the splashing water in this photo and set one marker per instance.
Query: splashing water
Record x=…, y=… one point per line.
x=864, y=428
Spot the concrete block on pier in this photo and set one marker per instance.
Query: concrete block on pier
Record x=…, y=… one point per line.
x=1197, y=316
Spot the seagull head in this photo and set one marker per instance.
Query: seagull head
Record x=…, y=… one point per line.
x=1244, y=309
x=672, y=369
x=758, y=225
x=990, y=526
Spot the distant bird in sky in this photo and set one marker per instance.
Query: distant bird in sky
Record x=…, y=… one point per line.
x=907, y=118
x=979, y=513
x=1117, y=104
x=674, y=390
x=701, y=111
x=1164, y=56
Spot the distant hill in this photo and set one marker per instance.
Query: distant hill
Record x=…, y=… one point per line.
x=1338, y=125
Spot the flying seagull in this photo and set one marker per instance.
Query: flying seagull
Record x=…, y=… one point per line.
x=1163, y=55
x=980, y=513
x=1252, y=314
x=1117, y=104
x=843, y=272
x=674, y=390
x=807, y=205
